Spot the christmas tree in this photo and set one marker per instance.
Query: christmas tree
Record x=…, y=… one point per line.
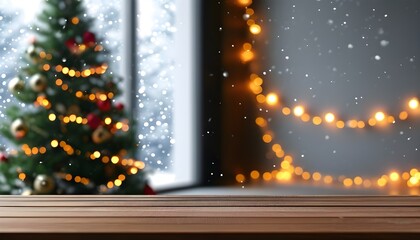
x=74, y=137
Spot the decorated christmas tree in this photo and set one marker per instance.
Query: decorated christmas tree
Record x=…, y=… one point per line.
x=71, y=135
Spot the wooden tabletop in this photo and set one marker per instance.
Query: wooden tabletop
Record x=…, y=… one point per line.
x=246, y=216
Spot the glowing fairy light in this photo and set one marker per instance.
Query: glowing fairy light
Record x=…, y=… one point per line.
x=271, y=99
x=298, y=111
x=413, y=103
x=329, y=117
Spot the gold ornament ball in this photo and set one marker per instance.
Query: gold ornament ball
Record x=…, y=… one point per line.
x=101, y=135
x=18, y=128
x=43, y=184
x=38, y=82
x=16, y=85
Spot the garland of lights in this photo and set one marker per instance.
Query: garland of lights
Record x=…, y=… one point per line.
x=288, y=169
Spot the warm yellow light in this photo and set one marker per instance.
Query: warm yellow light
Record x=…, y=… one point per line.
x=413, y=103
x=379, y=116
x=381, y=182
x=298, y=111
x=247, y=56
x=298, y=170
x=348, y=182
x=285, y=164
x=77, y=179
x=413, y=181
x=118, y=125
x=280, y=154
x=72, y=118
x=288, y=158
x=361, y=124
x=255, y=29
x=403, y=115
x=267, y=138
x=244, y=3
x=72, y=73
x=352, y=123
x=358, y=180
x=46, y=67
x=68, y=177
x=328, y=179
x=260, y=122
x=340, y=124
x=75, y=20
x=306, y=176
x=372, y=122
x=65, y=70
x=329, y=117
x=316, y=176
x=240, y=178
x=42, y=150
x=305, y=117
x=115, y=159
x=260, y=98
x=255, y=174
x=52, y=117
x=390, y=119
x=249, y=11
x=286, y=111
x=97, y=154
x=405, y=176
x=22, y=176
x=316, y=120
x=108, y=120
x=258, y=81
x=271, y=99
x=267, y=176
x=276, y=147
x=134, y=170
x=117, y=182
x=247, y=46
x=394, y=176
x=54, y=143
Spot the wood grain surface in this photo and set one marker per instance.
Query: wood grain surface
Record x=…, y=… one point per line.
x=27, y=217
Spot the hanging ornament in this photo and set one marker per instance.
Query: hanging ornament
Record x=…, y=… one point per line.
x=119, y=106
x=101, y=135
x=104, y=106
x=16, y=85
x=72, y=45
x=18, y=128
x=32, y=52
x=44, y=184
x=73, y=109
x=3, y=158
x=38, y=82
x=89, y=39
x=93, y=121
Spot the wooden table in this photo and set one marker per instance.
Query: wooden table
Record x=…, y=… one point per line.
x=208, y=217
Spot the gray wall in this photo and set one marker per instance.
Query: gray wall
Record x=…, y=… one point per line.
x=349, y=81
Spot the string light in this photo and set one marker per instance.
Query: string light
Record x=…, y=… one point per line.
x=288, y=170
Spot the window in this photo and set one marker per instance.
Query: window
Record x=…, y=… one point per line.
x=157, y=59
x=338, y=81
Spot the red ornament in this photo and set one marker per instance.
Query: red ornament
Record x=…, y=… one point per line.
x=93, y=120
x=148, y=190
x=89, y=39
x=3, y=158
x=71, y=45
x=119, y=106
x=104, y=106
